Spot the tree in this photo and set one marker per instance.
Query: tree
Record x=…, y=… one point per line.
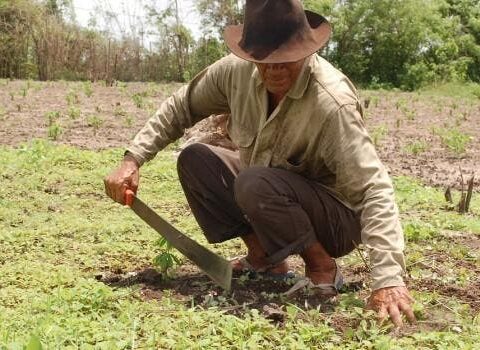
x=466, y=15
x=175, y=40
x=217, y=14
x=403, y=43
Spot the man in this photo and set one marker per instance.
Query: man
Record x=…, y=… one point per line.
x=306, y=179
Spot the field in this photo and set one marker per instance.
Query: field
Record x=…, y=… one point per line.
x=76, y=269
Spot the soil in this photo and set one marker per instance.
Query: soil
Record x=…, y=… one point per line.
x=395, y=121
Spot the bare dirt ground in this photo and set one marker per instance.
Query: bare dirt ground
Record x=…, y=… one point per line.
x=406, y=127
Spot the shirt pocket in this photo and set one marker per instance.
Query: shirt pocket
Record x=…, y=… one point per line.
x=295, y=164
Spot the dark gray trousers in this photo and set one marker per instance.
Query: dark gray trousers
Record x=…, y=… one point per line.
x=286, y=211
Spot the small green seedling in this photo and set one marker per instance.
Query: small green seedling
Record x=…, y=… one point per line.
x=73, y=112
x=54, y=131
x=88, y=89
x=95, y=122
x=138, y=100
x=166, y=259
x=52, y=117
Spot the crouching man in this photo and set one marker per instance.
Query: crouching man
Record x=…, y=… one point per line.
x=306, y=179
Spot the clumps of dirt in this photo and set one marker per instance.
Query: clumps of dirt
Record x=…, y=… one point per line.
x=411, y=131
x=469, y=294
x=248, y=291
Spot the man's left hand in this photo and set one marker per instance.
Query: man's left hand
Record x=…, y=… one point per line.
x=392, y=301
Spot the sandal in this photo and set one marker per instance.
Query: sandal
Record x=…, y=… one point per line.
x=263, y=272
x=321, y=289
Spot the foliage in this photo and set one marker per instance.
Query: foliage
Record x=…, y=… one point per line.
x=73, y=112
x=55, y=216
x=166, y=259
x=383, y=44
x=417, y=147
x=54, y=131
x=87, y=89
x=95, y=122
x=216, y=14
x=378, y=134
x=453, y=139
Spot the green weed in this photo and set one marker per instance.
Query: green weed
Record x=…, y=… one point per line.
x=95, y=122
x=54, y=131
x=378, y=134
x=129, y=120
x=119, y=112
x=88, y=89
x=24, y=92
x=73, y=112
x=455, y=140
x=72, y=98
x=166, y=259
x=52, y=117
x=418, y=231
x=416, y=147
x=138, y=100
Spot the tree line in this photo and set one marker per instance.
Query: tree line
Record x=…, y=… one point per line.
x=379, y=43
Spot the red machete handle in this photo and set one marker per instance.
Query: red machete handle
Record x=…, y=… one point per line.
x=129, y=197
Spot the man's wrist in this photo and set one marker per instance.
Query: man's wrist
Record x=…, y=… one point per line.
x=128, y=157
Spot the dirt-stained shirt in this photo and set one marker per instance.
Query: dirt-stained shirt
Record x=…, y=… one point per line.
x=317, y=131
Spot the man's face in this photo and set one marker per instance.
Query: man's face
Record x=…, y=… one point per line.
x=280, y=77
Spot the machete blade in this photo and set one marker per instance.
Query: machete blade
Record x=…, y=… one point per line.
x=216, y=267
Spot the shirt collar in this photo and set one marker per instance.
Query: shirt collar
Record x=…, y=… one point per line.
x=300, y=86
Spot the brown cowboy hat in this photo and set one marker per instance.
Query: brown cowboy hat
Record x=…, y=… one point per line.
x=277, y=31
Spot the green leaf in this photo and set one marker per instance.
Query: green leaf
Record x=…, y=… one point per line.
x=34, y=344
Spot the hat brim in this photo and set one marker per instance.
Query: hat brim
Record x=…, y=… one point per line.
x=291, y=51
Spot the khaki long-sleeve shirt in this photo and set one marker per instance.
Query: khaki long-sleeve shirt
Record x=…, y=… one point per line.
x=317, y=130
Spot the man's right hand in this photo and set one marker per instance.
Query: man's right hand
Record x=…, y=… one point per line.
x=126, y=176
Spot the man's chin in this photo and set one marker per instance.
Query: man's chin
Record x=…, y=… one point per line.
x=276, y=90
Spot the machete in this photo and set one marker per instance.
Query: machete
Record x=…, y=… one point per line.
x=216, y=267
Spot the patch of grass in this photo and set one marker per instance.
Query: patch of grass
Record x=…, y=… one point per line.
x=378, y=134
x=73, y=112
x=454, y=139
x=129, y=120
x=72, y=98
x=52, y=117
x=457, y=90
x=416, y=230
x=119, y=112
x=54, y=131
x=87, y=89
x=139, y=100
x=58, y=231
x=416, y=147
x=95, y=122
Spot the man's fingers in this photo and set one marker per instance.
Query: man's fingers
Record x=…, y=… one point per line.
x=407, y=310
x=382, y=313
x=395, y=315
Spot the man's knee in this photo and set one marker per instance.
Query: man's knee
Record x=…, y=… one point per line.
x=252, y=186
x=192, y=157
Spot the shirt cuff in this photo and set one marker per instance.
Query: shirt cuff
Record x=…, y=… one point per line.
x=388, y=269
x=135, y=155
